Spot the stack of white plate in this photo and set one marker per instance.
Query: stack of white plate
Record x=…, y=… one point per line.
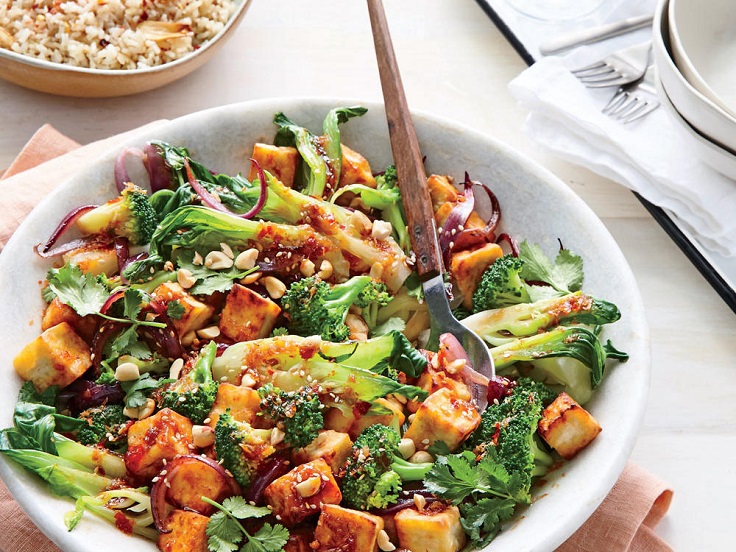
x=695, y=53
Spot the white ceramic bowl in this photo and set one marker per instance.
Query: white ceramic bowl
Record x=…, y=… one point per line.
x=536, y=206
x=699, y=111
x=68, y=80
x=703, y=44
x=717, y=157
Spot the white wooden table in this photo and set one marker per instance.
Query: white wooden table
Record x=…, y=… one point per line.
x=457, y=65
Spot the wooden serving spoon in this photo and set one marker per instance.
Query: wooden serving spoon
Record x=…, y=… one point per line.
x=412, y=182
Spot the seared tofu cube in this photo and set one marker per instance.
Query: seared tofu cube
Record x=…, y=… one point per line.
x=280, y=161
x=442, y=191
x=247, y=315
x=156, y=440
x=346, y=530
x=436, y=528
x=196, y=314
x=56, y=357
x=442, y=417
x=467, y=268
x=57, y=312
x=394, y=417
x=355, y=169
x=337, y=420
x=187, y=532
x=567, y=427
x=297, y=495
x=94, y=259
x=333, y=447
x=243, y=402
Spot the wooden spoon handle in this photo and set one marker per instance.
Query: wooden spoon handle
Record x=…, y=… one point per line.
x=405, y=149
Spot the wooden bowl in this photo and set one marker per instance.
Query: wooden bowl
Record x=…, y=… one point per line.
x=68, y=80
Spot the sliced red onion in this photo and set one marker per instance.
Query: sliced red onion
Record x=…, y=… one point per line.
x=110, y=301
x=104, y=332
x=84, y=394
x=272, y=469
x=121, y=173
x=122, y=253
x=159, y=176
x=165, y=339
x=63, y=226
x=477, y=383
x=70, y=246
x=457, y=217
x=214, y=203
x=495, y=217
x=159, y=489
x=511, y=241
x=134, y=258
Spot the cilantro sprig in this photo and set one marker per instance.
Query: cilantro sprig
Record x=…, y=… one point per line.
x=564, y=275
x=87, y=294
x=485, y=493
x=226, y=534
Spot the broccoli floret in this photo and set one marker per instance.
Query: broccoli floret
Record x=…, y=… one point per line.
x=299, y=412
x=510, y=427
x=193, y=394
x=314, y=307
x=499, y=326
x=374, y=471
x=130, y=215
x=105, y=427
x=501, y=285
x=240, y=448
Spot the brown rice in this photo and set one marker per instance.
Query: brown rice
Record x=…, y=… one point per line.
x=110, y=34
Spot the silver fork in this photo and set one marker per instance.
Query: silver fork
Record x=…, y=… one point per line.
x=634, y=100
x=617, y=69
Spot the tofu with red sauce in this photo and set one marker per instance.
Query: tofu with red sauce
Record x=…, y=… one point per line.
x=567, y=427
x=346, y=530
x=196, y=314
x=156, y=439
x=436, y=528
x=333, y=447
x=187, y=532
x=56, y=357
x=243, y=402
x=247, y=315
x=298, y=495
x=442, y=417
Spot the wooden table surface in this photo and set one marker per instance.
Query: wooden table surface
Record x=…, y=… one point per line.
x=456, y=64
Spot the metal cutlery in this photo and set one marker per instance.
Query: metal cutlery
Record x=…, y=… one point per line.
x=617, y=69
x=634, y=100
x=595, y=34
x=417, y=204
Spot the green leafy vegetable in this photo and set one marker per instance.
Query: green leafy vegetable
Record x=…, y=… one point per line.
x=225, y=532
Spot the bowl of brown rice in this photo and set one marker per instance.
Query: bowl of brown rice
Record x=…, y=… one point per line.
x=105, y=48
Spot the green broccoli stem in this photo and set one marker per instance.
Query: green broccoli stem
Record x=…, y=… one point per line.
x=202, y=371
x=409, y=471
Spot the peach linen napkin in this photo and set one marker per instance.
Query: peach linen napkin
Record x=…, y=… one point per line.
x=624, y=522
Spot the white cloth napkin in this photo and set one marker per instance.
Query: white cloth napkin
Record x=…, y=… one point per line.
x=651, y=156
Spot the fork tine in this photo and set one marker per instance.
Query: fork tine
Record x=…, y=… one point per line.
x=607, y=74
x=618, y=98
x=595, y=65
x=605, y=68
x=628, y=108
x=607, y=84
x=648, y=108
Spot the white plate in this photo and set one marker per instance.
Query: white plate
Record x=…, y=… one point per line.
x=704, y=46
x=700, y=111
x=715, y=155
x=536, y=206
